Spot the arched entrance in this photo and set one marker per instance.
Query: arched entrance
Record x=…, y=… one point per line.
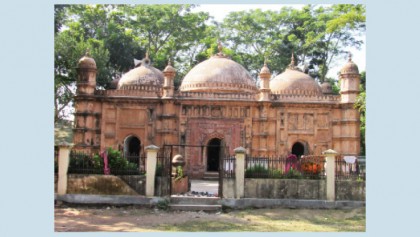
x=213, y=154
x=132, y=146
x=298, y=149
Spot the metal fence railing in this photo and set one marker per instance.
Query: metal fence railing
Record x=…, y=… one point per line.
x=229, y=167
x=350, y=168
x=85, y=163
x=309, y=167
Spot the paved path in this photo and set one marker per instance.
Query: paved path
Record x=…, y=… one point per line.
x=199, y=185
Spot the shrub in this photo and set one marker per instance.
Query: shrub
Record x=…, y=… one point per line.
x=179, y=173
x=98, y=162
x=293, y=174
x=257, y=171
x=276, y=174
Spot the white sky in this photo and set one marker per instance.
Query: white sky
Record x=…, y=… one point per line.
x=219, y=11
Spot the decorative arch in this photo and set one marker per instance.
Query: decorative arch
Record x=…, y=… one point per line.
x=213, y=151
x=132, y=145
x=299, y=147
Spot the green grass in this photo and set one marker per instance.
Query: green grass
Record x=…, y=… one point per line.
x=277, y=220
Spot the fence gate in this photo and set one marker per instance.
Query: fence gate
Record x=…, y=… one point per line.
x=223, y=156
x=164, y=171
x=164, y=165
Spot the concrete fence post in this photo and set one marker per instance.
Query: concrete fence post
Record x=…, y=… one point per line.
x=151, y=160
x=63, y=165
x=240, y=172
x=330, y=172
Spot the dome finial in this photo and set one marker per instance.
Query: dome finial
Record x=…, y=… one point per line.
x=349, y=56
x=146, y=59
x=264, y=69
x=169, y=62
x=87, y=53
x=292, y=63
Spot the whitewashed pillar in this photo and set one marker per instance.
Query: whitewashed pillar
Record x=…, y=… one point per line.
x=240, y=172
x=63, y=165
x=151, y=160
x=330, y=172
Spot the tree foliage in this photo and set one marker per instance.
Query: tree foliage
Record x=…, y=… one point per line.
x=361, y=106
x=116, y=34
x=316, y=35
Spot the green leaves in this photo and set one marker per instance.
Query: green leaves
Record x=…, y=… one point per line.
x=317, y=35
x=116, y=34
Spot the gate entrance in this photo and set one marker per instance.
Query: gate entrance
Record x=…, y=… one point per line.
x=215, y=151
x=213, y=154
x=298, y=149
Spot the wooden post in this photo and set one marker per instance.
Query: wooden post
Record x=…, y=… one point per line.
x=63, y=165
x=330, y=172
x=151, y=161
x=240, y=172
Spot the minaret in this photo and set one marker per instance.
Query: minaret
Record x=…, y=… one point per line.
x=350, y=81
x=86, y=75
x=86, y=134
x=349, y=123
x=168, y=84
x=265, y=76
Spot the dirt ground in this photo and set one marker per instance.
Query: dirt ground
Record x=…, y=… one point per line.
x=142, y=219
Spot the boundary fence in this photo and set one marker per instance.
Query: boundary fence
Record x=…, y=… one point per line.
x=307, y=167
x=85, y=163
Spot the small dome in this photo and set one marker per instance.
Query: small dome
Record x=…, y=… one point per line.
x=86, y=61
x=326, y=88
x=294, y=80
x=142, y=75
x=265, y=69
x=218, y=74
x=169, y=68
x=350, y=68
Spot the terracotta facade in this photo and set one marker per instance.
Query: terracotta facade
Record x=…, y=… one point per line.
x=288, y=113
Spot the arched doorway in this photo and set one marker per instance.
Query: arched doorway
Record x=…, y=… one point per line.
x=298, y=149
x=132, y=146
x=213, y=154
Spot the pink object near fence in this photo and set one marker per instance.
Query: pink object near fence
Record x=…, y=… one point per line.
x=104, y=155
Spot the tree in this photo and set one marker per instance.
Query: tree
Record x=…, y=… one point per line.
x=316, y=35
x=361, y=106
x=116, y=34
x=67, y=52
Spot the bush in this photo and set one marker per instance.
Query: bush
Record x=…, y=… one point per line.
x=293, y=174
x=257, y=171
x=98, y=162
x=117, y=163
x=276, y=174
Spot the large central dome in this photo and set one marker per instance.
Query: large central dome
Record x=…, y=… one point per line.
x=218, y=74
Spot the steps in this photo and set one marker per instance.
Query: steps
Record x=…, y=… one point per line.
x=211, y=175
x=209, y=204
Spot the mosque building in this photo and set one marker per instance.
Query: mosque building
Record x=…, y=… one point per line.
x=217, y=104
